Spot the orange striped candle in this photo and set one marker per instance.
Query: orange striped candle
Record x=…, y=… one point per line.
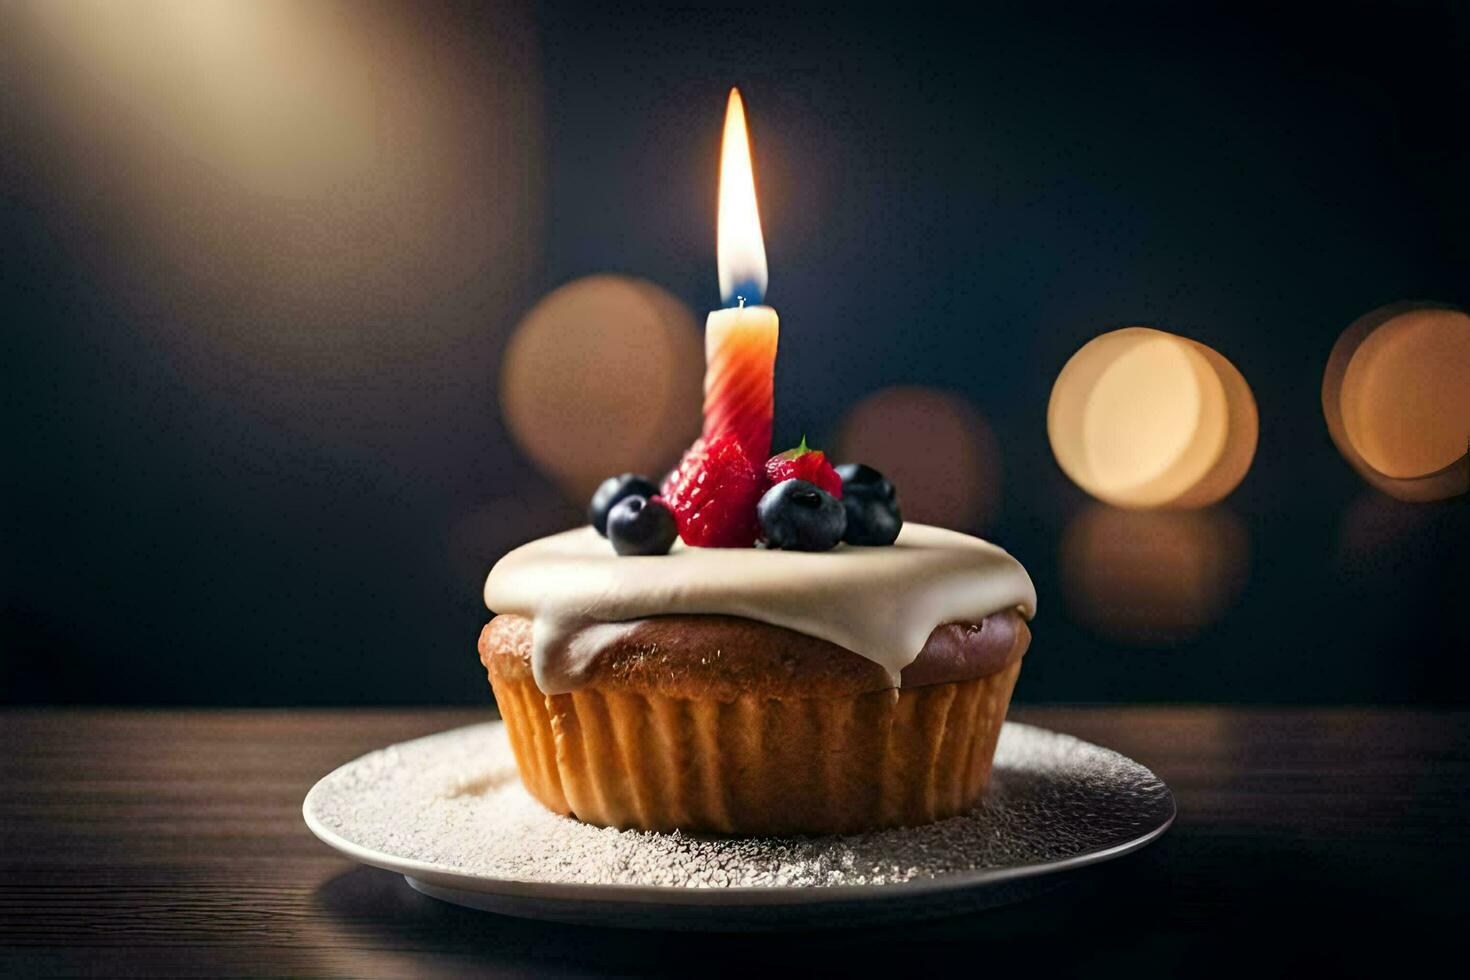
x=740, y=361
x=740, y=342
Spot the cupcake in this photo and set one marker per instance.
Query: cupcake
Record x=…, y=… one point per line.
x=852, y=672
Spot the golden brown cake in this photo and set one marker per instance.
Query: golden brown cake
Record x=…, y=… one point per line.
x=723, y=724
x=628, y=708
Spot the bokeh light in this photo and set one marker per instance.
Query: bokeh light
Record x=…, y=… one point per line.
x=1152, y=578
x=1143, y=418
x=277, y=191
x=1396, y=396
x=277, y=95
x=936, y=448
x=603, y=376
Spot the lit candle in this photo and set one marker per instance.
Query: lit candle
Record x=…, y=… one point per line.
x=740, y=341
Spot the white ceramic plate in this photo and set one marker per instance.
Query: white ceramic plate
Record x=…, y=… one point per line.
x=449, y=814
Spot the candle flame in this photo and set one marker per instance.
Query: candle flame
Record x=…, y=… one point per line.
x=741, y=247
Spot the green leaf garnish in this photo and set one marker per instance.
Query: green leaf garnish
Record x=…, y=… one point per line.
x=800, y=450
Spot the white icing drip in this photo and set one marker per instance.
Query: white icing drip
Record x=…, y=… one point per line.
x=881, y=603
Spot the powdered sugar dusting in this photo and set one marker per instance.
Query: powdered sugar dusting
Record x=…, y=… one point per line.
x=455, y=802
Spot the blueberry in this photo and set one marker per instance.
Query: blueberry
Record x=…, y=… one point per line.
x=873, y=515
x=801, y=516
x=639, y=526
x=862, y=478
x=613, y=489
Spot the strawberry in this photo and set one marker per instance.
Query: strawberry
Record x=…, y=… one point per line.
x=713, y=493
x=806, y=464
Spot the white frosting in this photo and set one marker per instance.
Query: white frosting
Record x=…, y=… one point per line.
x=881, y=603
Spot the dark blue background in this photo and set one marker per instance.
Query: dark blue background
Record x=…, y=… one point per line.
x=950, y=201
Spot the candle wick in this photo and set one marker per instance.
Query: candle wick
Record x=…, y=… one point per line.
x=742, y=301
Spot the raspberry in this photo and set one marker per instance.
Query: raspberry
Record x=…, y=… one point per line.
x=713, y=493
x=806, y=464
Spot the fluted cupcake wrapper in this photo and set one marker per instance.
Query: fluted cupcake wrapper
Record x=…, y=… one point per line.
x=622, y=758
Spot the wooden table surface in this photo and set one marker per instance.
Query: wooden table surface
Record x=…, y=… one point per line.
x=171, y=842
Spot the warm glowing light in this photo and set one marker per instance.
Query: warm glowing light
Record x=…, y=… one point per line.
x=1397, y=400
x=278, y=97
x=935, y=447
x=602, y=376
x=741, y=247
x=1152, y=578
x=1143, y=418
x=310, y=189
